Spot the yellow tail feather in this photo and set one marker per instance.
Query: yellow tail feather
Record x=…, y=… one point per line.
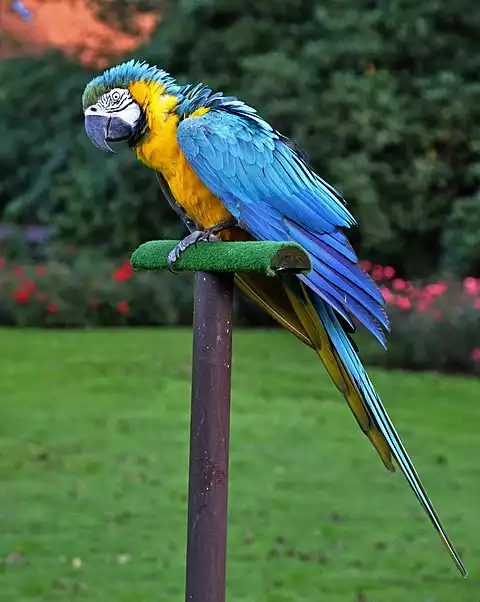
x=302, y=320
x=328, y=355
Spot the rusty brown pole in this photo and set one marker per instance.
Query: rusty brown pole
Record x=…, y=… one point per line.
x=209, y=438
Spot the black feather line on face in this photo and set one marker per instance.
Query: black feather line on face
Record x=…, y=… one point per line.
x=121, y=107
x=113, y=105
x=139, y=130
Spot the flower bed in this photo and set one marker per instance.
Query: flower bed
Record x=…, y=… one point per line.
x=435, y=326
x=88, y=292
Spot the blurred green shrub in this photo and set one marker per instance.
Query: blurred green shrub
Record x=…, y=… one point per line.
x=461, y=236
x=384, y=96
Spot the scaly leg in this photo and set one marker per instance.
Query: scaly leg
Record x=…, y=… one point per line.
x=197, y=236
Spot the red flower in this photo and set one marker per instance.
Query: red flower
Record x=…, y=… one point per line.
x=17, y=270
x=124, y=272
x=21, y=296
x=29, y=286
x=366, y=265
x=476, y=304
x=52, y=308
x=475, y=355
x=2, y=262
x=41, y=270
x=122, y=307
x=24, y=292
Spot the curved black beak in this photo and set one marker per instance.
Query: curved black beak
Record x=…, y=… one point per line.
x=102, y=129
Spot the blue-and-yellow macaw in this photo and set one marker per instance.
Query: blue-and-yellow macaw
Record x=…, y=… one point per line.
x=227, y=172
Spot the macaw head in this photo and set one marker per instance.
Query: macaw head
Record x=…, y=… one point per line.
x=116, y=103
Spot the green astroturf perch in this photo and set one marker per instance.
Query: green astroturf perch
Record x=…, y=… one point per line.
x=230, y=176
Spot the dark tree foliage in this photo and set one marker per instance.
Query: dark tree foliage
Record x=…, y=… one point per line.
x=383, y=95
x=51, y=174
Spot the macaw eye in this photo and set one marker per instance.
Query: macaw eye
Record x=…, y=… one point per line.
x=116, y=96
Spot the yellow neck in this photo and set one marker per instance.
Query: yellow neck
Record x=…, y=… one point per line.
x=159, y=148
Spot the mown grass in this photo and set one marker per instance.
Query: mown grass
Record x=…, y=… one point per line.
x=93, y=467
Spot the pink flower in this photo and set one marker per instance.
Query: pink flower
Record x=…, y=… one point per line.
x=471, y=286
x=476, y=303
x=438, y=288
x=388, y=272
x=366, y=265
x=423, y=304
x=387, y=294
x=377, y=272
x=403, y=302
x=475, y=355
x=398, y=284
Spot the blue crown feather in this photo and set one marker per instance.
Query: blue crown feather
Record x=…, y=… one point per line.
x=121, y=76
x=191, y=97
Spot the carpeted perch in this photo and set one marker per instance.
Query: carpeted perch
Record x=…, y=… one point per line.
x=215, y=264
x=266, y=257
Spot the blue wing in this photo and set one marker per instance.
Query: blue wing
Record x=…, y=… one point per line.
x=267, y=185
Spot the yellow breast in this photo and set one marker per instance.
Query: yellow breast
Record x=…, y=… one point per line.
x=159, y=150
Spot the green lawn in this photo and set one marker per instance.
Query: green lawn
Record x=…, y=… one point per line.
x=93, y=466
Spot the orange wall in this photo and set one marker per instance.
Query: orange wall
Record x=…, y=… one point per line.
x=69, y=25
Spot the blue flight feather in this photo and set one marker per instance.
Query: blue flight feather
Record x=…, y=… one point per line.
x=275, y=195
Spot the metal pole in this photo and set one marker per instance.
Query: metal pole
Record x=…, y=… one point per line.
x=209, y=438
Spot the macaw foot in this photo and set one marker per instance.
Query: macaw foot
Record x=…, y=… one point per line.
x=208, y=235
x=191, y=240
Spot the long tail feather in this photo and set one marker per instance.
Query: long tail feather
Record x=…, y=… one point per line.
x=342, y=362
x=317, y=325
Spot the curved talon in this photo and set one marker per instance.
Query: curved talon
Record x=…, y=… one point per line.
x=191, y=240
x=170, y=269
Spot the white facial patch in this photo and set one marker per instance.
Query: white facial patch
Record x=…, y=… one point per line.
x=117, y=103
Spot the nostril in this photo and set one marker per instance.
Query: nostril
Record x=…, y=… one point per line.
x=93, y=109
